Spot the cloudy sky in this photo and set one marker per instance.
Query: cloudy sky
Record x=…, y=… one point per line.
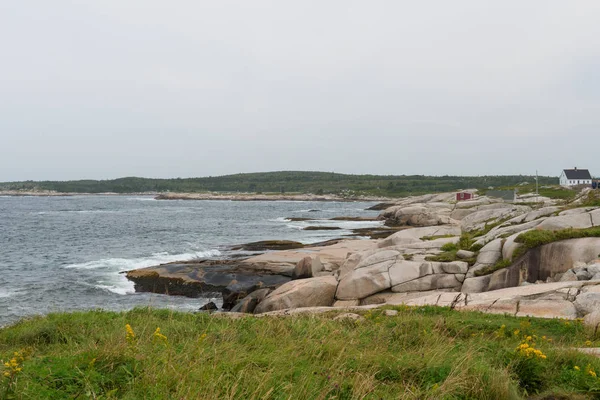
x=111, y=88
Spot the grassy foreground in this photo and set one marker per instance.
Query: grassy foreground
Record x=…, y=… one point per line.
x=420, y=353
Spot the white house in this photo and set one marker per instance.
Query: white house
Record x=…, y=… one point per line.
x=573, y=177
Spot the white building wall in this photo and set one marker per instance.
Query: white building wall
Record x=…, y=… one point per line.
x=563, y=181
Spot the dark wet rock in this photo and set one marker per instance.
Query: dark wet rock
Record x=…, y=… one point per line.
x=322, y=228
x=375, y=233
x=330, y=242
x=353, y=219
x=249, y=303
x=269, y=245
x=246, y=305
x=299, y=219
x=209, y=307
x=233, y=293
x=201, y=278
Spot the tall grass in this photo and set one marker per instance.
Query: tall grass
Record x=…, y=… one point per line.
x=420, y=353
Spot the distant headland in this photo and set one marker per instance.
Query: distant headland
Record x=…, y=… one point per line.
x=263, y=185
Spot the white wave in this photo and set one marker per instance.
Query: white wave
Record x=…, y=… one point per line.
x=125, y=264
x=141, y=199
x=61, y=212
x=295, y=226
x=279, y=219
x=346, y=225
x=4, y=293
x=126, y=287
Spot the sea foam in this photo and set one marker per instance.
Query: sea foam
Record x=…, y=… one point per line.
x=125, y=264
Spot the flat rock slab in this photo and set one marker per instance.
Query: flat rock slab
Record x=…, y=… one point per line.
x=313, y=292
x=335, y=254
x=547, y=309
x=593, y=351
x=195, y=279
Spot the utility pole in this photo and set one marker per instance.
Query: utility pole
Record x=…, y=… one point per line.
x=536, y=186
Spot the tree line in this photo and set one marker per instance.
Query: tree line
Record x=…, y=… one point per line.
x=285, y=182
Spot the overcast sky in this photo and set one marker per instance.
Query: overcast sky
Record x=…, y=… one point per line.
x=111, y=88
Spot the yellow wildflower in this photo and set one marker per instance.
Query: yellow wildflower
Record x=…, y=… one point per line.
x=590, y=371
x=130, y=332
x=588, y=343
x=14, y=365
x=159, y=336
x=516, y=332
x=576, y=368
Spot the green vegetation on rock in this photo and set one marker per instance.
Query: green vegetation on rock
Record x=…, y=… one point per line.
x=423, y=352
x=539, y=237
x=493, y=268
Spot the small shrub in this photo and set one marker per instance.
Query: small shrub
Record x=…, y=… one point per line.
x=476, y=247
x=449, y=247
x=436, y=237
x=447, y=256
x=538, y=237
x=493, y=268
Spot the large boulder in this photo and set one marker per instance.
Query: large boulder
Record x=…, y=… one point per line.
x=542, y=212
x=311, y=292
x=363, y=282
x=595, y=215
x=588, y=300
x=561, y=256
x=429, y=214
x=431, y=282
x=547, y=309
x=476, y=284
x=385, y=270
x=592, y=319
x=577, y=221
x=510, y=246
x=478, y=219
x=249, y=303
x=307, y=268
x=488, y=255
x=415, y=235
x=507, y=229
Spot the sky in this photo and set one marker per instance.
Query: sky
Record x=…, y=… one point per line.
x=100, y=89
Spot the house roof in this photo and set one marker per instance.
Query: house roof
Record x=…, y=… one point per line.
x=577, y=173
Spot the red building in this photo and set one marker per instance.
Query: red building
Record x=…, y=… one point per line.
x=460, y=196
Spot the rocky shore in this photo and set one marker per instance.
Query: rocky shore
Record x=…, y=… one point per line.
x=467, y=255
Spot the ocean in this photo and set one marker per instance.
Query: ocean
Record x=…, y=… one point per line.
x=68, y=253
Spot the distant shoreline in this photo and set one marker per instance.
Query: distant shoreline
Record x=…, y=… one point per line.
x=263, y=197
x=205, y=196
x=16, y=193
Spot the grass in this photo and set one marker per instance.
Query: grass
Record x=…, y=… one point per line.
x=493, y=268
x=539, y=237
x=434, y=237
x=450, y=250
x=421, y=353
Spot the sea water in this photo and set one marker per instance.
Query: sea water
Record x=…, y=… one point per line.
x=68, y=253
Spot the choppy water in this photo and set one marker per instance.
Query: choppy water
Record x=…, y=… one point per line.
x=66, y=253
